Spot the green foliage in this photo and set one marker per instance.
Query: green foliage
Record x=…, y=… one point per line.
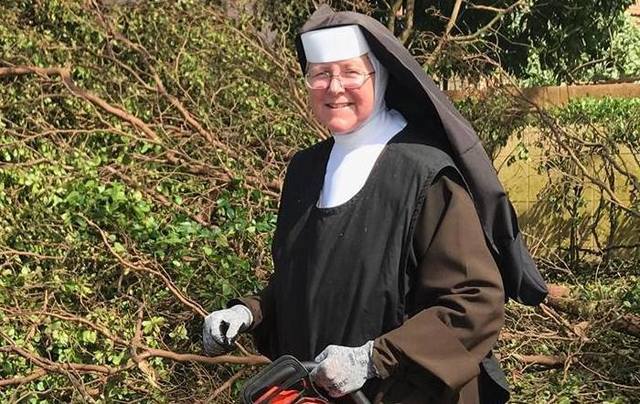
x=538, y=41
x=617, y=118
x=497, y=118
x=96, y=213
x=631, y=299
x=553, y=42
x=82, y=191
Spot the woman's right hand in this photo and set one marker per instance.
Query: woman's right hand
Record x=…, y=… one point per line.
x=222, y=327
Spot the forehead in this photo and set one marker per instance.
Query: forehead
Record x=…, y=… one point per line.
x=360, y=61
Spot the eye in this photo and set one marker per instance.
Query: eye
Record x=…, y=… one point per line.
x=351, y=74
x=317, y=75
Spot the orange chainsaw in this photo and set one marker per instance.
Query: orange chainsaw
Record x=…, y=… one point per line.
x=286, y=381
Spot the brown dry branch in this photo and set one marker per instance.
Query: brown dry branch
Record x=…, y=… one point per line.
x=24, y=164
x=558, y=299
x=35, y=375
x=58, y=367
x=65, y=75
x=140, y=353
x=549, y=361
x=11, y=252
x=194, y=306
x=560, y=320
x=225, y=386
x=446, y=37
x=210, y=360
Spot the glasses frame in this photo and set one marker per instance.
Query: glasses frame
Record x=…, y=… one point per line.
x=339, y=78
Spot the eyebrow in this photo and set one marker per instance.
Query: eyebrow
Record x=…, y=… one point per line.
x=346, y=65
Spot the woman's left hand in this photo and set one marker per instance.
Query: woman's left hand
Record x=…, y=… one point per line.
x=342, y=369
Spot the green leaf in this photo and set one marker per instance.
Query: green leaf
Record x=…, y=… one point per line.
x=89, y=336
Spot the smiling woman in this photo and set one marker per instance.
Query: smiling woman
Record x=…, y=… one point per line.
x=383, y=274
x=341, y=94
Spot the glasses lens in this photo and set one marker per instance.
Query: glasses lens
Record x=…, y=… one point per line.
x=318, y=82
x=348, y=80
x=352, y=80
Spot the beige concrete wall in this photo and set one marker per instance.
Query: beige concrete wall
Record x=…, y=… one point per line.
x=548, y=228
x=560, y=95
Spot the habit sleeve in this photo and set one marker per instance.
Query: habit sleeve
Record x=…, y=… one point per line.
x=260, y=306
x=457, y=293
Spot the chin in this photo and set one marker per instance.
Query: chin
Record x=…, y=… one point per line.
x=340, y=126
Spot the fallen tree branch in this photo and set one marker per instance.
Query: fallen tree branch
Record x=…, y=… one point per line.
x=210, y=360
x=65, y=75
x=38, y=373
x=550, y=361
x=59, y=367
x=559, y=299
x=11, y=251
x=167, y=281
x=226, y=385
x=47, y=366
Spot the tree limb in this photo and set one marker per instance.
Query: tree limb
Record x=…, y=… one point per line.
x=65, y=76
x=168, y=282
x=542, y=360
x=409, y=16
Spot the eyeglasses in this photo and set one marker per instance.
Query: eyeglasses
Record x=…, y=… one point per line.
x=349, y=80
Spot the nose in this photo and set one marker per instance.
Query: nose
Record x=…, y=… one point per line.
x=335, y=85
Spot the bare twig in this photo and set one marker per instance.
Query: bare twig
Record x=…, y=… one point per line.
x=167, y=281
x=225, y=386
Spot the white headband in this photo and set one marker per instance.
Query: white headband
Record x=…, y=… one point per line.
x=334, y=44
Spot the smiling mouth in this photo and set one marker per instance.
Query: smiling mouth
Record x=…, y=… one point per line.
x=338, y=105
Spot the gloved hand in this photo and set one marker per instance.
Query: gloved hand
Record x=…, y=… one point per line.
x=222, y=327
x=342, y=369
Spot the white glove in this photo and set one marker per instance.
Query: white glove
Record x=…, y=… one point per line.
x=342, y=369
x=222, y=327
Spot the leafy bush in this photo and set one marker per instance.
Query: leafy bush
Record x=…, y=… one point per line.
x=142, y=146
x=143, y=183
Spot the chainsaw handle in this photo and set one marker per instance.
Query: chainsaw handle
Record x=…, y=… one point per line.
x=358, y=397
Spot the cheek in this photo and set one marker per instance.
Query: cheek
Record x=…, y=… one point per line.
x=316, y=103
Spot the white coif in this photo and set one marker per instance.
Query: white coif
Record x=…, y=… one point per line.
x=353, y=156
x=333, y=44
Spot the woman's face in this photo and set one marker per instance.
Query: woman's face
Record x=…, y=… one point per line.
x=339, y=109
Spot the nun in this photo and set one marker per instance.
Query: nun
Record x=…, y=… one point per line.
x=396, y=246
